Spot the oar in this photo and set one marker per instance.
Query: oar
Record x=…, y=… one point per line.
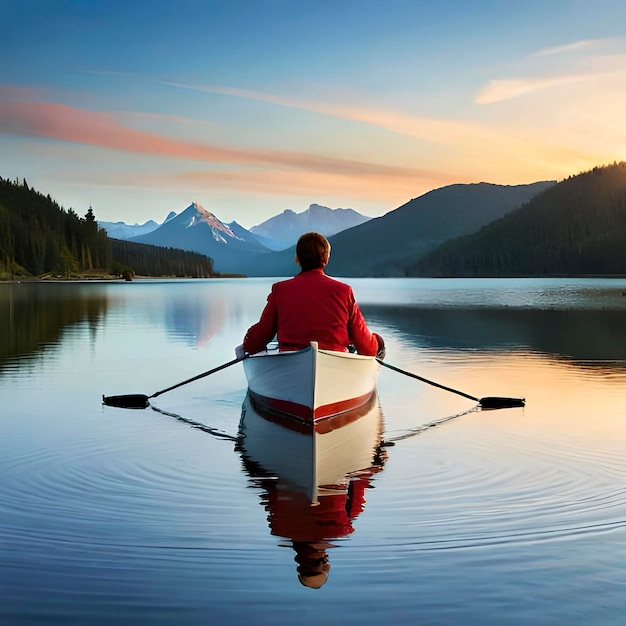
x=489, y=402
x=140, y=401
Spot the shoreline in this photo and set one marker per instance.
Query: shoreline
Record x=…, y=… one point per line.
x=103, y=278
x=116, y=279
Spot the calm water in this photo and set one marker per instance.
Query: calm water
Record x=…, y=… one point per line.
x=113, y=516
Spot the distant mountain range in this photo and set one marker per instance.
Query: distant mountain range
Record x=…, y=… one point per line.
x=385, y=245
x=571, y=228
x=282, y=231
x=231, y=246
x=121, y=230
x=362, y=246
x=277, y=233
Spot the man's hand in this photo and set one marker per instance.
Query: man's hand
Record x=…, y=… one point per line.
x=382, y=353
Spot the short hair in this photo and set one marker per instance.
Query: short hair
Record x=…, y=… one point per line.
x=313, y=251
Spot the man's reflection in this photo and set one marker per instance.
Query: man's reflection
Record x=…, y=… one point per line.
x=313, y=484
x=312, y=560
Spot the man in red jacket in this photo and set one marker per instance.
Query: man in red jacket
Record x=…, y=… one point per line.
x=311, y=306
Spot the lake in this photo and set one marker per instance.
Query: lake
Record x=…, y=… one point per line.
x=162, y=516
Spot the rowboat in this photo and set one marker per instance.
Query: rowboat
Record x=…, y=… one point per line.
x=311, y=389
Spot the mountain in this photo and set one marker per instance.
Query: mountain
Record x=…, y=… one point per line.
x=282, y=231
x=38, y=237
x=199, y=230
x=577, y=227
x=121, y=230
x=574, y=227
x=383, y=246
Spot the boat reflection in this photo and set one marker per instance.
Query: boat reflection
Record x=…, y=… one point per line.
x=313, y=483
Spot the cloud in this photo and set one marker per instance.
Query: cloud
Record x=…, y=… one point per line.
x=499, y=90
x=525, y=146
x=465, y=144
x=71, y=124
x=431, y=130
x=572, y=69
x=288, y=183
x=577, y=46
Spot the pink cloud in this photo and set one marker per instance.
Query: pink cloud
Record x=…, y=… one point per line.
x=65, y=123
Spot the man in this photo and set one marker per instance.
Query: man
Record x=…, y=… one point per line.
x=311, y=306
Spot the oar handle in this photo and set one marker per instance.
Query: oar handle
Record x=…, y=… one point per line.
x=425, y=380
x=199, y=376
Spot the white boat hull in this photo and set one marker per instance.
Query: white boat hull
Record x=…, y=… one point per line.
x=311, y=386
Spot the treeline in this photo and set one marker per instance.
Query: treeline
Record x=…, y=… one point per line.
x=37, y=236
x=131, y=258
x=575, y=228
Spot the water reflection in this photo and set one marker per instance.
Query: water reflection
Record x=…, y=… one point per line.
x=122, y=517
x=573, y=335
x=35, y=316
x=313, y=484
x=196, y=315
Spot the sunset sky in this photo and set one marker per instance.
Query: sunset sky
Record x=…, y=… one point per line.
x=249, y=107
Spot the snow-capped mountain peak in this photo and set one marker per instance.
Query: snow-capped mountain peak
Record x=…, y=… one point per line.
x=202, y=216
x=198, y=230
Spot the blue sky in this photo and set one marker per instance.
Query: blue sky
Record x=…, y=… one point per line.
x=249, y=107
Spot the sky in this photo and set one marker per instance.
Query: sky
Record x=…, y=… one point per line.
x=249, y=107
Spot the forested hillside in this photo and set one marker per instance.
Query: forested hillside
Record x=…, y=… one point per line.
x=575, y=228
x=147, y=260
x=37, y=236
x=384, y=246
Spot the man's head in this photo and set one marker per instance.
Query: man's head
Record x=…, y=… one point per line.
x=313, y=565
x=312, y=251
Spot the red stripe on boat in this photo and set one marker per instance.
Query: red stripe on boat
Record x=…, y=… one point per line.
x=304, y=414
x=335, y=408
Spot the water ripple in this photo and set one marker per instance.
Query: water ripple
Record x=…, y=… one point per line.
x=165, y=488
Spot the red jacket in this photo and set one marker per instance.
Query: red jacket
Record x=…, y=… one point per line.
x=311, y=306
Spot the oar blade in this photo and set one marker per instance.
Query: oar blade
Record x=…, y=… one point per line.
x=130, y=401
x=496, y=402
